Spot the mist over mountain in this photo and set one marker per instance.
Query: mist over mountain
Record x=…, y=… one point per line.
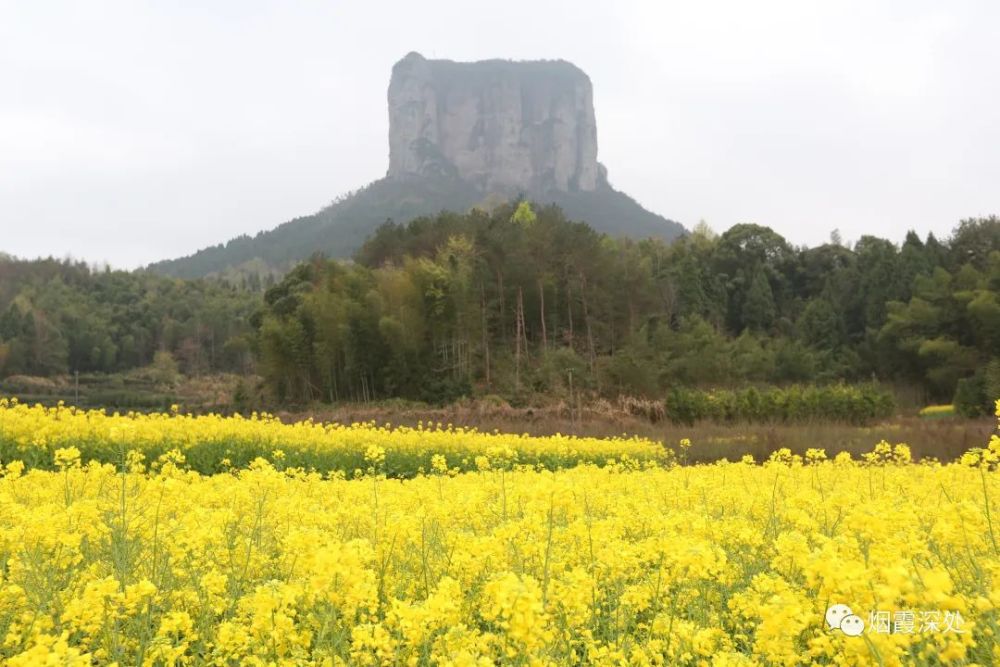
x=460, y=135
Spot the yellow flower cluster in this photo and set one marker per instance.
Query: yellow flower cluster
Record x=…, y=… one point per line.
x=987, y=458
x=724, y=564
x=625, y=564
x=937, y=411
x=214, y=443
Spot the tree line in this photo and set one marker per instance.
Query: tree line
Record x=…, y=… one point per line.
x=59, y=316
x=520, y=301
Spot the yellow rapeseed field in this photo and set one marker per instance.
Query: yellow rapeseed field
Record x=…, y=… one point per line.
x=937, y=411
x=629, y=563
x=214, y=443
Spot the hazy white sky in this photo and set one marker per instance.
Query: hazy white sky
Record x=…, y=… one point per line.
x=135, y=131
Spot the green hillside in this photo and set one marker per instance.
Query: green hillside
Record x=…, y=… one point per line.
x=341, y=228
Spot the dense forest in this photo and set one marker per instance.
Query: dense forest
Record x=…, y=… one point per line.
x=520, y=302
x=58, y=317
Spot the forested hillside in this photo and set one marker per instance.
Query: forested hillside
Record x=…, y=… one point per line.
x=342, y=227
x=58, y=317
x=522, y=300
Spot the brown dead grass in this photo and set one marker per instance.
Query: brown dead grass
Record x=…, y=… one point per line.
x=944, y=439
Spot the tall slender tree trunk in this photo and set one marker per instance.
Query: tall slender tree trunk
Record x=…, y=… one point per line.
x=521, y=336
x=486, y=337
x=524, y=323
x=586, y=319
x=503, y=320
x=517, y=351
x=569, y=311
x=541, y=301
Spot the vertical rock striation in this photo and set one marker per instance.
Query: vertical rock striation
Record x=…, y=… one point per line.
x=502, y=126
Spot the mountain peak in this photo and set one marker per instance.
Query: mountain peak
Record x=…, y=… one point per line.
x=505, y=127
x=459, y=134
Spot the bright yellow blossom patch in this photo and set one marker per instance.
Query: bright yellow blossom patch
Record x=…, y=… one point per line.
x=721, y=564
x=61, y=436
x=937, y=411
x=626, y=564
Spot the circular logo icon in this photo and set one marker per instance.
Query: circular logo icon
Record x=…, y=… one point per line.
x=852, y=626
x=836, y=614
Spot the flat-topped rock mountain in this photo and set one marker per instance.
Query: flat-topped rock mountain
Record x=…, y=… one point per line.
x=516, y=127
x=460, y=134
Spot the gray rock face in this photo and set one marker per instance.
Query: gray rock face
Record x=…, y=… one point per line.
x=502, y=126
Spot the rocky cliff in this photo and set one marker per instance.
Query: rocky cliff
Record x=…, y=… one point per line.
x=502, y=126
x=459, y=135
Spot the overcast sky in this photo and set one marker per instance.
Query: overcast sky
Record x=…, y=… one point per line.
x=135, y=131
